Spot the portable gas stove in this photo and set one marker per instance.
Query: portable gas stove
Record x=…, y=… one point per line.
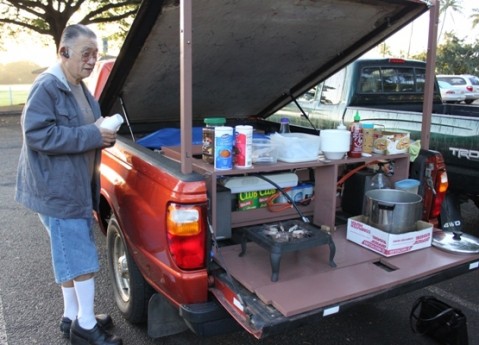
x=287, y=236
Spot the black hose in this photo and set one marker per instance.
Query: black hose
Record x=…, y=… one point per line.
x=287, y=196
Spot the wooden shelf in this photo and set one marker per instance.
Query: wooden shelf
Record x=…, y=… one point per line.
x=323, y=208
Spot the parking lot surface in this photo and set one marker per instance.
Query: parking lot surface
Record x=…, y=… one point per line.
x=31, y=303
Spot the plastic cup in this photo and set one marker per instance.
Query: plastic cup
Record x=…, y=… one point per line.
x=408, y=185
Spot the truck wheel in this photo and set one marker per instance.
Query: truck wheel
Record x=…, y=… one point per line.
x=131, y=291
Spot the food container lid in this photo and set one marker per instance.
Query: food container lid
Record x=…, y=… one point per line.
x=214, y=121
x=455, y=242
x=406, y=184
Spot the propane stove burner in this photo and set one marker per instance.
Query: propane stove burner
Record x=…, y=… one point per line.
x=279, y=233
x=288, y=236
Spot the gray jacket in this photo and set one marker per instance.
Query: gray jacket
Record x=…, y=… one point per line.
x=53, y=176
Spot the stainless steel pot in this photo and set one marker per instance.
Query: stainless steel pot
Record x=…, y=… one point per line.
x=391, y=210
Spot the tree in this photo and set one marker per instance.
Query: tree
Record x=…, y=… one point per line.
x=457, y=57
x=50, y=17
x=19, y=72
x=475, y=17
x=384, y=49
x=445, y=8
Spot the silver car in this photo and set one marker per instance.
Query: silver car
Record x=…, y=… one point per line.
x=464, y=82
x=450, y=94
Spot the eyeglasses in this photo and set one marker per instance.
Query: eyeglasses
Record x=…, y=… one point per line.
x=87, y=55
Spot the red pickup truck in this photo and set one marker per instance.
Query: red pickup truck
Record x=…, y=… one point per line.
x=180, y=252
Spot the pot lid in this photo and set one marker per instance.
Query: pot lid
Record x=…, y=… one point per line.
x=248, y=56
x=455, y=242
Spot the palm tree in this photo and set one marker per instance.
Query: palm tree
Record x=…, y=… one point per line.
x=475, y=17
x=445, y=8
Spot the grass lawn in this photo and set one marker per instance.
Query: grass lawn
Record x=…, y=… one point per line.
x=13, y=94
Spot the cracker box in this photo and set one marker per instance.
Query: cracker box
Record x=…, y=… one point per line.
x=385, y=243
x=391, y=142
x=248, y=201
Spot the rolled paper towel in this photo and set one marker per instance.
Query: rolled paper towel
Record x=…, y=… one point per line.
x=113, y=122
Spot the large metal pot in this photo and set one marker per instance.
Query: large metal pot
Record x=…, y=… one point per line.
x=391, y=210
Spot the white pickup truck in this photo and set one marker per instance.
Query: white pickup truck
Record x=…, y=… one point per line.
x=390, y=92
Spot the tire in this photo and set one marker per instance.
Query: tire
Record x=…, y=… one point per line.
x=469, y=101
x=131, y=291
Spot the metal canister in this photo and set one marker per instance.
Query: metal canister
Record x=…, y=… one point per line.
x=223, y=158
x=243, y=146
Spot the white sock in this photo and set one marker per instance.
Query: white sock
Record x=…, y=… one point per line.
x=70, y=303
x=85, y=291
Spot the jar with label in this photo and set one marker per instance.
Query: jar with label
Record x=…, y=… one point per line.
x=368, y=137
x=208, y=148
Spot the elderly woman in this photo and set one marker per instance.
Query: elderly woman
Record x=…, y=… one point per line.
x=58, y=177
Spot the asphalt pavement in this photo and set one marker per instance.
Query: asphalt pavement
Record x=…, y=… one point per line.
x=31, y=302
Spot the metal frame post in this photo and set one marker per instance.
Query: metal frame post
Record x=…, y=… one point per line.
x=430, y=75
x=186, y=80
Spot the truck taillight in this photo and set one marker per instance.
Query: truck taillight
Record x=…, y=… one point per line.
x=430, y=169
x=396, y=60
x=186, y=235
x=441, y=189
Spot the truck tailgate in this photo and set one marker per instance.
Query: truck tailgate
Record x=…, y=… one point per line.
x=318, y=289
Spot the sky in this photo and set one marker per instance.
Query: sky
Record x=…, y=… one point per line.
x=459, y=23
x=29, y=47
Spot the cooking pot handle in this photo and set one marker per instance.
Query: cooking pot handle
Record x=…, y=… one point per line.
x=386, y=207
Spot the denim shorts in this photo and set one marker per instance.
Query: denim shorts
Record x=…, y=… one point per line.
x=73, y=247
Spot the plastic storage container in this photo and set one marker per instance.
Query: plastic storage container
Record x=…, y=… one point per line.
x=264, y=151
x=296, y=147
x=408, y=185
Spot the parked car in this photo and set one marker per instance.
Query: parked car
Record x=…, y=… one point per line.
x=450, y=94
x=465, y=82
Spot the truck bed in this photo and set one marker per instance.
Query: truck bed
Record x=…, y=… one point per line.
x=307, y=274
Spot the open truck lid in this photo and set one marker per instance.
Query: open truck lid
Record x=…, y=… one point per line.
x=248, y=57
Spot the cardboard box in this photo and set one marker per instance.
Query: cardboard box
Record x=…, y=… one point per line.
x=385, y=243
x=248, y=201
x=391, y=142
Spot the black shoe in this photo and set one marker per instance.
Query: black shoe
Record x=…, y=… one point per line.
x=95, y=336
x=104, y=320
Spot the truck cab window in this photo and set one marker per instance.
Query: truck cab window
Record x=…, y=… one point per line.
x=391, y=80
x=309, y=95
x=370, y=80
